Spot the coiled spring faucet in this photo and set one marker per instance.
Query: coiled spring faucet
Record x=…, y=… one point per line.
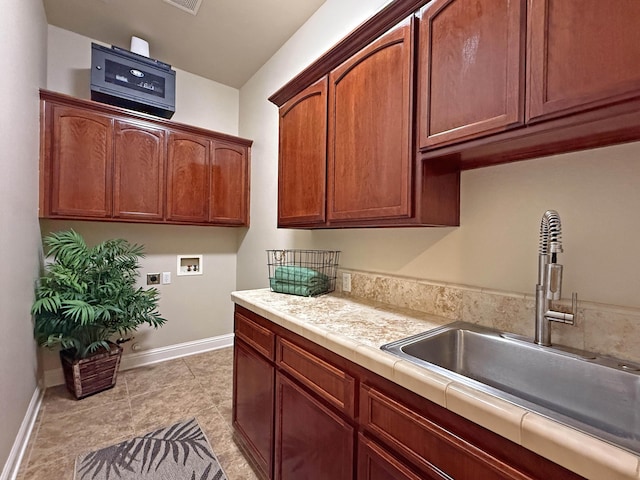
x=549, y=285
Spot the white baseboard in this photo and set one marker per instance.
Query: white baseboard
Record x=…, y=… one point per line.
x=11, y=467
x=155, y=355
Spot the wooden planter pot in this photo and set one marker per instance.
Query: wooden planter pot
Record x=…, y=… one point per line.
x=91, y=375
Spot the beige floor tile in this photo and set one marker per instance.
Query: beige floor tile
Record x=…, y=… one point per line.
x=226, y=410
x=157, y=376
x=144, y=399
x=59, y=400
x=59, y=469
x=172, y=404
x=216, y=429
x=97, y=427
x=30, y=445
x=219, y=388
x=235, y=465
x=211, y=364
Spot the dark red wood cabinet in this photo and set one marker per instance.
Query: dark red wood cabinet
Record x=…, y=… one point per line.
x=254, y=404
x=312, y=442
x=346, y=155
x=100, y=162
x=302, y=158
x=582, y=55
x=254, y=390
x=495, y=81
x=501, y=81
x=376, y=463
x=188, y=166
x=369, y=159
x=80, y=163
x=471, y=69
x=138, y=187
x=229, y=190
x=303, y=411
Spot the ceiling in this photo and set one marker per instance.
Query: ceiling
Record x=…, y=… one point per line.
x=227, y=41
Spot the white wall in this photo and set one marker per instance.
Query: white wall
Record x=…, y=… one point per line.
x=496, y=245
x=23, y=36
x=196, y=307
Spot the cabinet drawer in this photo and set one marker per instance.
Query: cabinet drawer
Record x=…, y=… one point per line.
x=428, y=445
x=333, y=385
x=374, y=462
x=260, y=338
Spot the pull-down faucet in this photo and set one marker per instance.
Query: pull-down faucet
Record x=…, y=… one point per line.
x=549, y=285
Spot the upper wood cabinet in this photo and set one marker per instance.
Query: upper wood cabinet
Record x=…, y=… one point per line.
x=105, y=163
x=302, y=157
x=496, y=81
x=139, y=158
x=79, y=155
x=229, y=190
x=188, y=167
x=471, y=69
x=370, y=152
x=582, y=55
x=346, y=156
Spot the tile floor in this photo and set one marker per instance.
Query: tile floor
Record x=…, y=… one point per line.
x=143, y=399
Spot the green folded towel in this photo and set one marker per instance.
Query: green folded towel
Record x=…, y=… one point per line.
x=300, y=275
x=298, y=289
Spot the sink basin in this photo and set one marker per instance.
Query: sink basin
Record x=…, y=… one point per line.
x=596, y=394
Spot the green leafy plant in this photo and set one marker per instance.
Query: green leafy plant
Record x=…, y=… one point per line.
x=88, y=295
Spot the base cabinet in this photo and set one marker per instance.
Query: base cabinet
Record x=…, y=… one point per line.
x=305, y=412
x=375, y=463
x=253, y=404
x=312, y=442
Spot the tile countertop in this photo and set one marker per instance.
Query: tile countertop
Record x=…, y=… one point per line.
x=355, y=329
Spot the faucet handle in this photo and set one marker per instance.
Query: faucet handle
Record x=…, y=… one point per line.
x=564, y=317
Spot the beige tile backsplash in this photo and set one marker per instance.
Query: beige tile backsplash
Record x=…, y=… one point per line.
x=605, y=329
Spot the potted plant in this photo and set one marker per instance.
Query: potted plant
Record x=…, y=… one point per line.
x=86, y=297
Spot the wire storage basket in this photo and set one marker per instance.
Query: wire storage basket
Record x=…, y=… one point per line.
x=308, y=273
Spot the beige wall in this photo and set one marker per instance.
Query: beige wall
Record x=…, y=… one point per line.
x=23, y=37
x=496, y=245
x=196, y=307
x=199, y=101
x=259, y=121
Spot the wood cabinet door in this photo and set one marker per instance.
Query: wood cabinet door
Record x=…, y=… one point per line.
x=471, y=69
x=81, y=163
x=375, y=463
x=188, y=178
x=302, y=157
x=312, y=442
x=370, y=132
x=138, y=191
x=229, y=184
x=253, y=404
x=582, y=55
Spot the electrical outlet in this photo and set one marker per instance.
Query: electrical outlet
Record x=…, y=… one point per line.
x=166, y=278
x=153, y=278
x=346, y=282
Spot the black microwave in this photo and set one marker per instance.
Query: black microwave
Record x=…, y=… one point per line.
x=125, y=79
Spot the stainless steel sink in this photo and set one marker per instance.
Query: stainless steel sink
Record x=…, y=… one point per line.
x=596, y=394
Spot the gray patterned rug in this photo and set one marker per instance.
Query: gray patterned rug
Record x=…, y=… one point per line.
x=178, y=452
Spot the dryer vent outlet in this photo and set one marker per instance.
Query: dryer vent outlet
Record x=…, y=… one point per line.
x=190, y=6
